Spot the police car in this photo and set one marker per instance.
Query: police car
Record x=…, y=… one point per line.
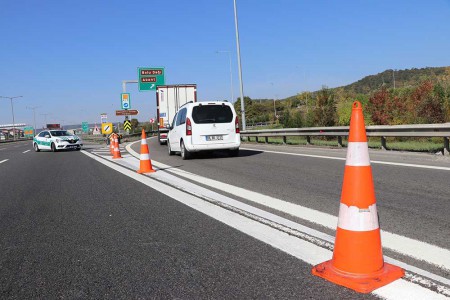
x=55, y=140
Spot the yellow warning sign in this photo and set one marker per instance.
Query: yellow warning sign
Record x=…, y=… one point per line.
x=107, y=128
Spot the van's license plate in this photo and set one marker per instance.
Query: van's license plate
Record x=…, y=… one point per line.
x=214, y=138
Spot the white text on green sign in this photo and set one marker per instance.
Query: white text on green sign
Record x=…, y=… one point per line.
x=149, y=78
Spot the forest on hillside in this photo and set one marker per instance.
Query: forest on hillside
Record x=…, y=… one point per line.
x=419, y=96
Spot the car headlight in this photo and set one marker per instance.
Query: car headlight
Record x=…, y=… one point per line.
x=58, y=140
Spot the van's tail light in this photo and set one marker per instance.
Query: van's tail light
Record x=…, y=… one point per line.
x=236, y=124
x=188, y=127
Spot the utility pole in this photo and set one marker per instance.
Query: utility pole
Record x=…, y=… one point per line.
x=393, y=76
x=12, y=110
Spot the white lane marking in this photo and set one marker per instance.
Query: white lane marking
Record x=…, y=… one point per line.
x=25, y=151
x=3, y=161
x=2, y=149
x=289, y=244
x=420, y=250
x=263, y=216
x=339, y=158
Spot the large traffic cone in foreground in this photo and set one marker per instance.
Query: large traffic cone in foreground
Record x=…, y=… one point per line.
x=145, y=165
x=116, y=153
x=357, y=261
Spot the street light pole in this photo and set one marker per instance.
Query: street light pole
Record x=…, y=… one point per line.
x=45, y=118
x=12, y=110
x=231, y=73
x=239, y=66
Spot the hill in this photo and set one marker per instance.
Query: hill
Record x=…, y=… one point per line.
x=416, y=96
x=402, y=78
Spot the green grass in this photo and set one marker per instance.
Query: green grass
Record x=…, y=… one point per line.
x=431, y=145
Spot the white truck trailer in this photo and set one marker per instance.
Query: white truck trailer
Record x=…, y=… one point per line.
x=169, y=98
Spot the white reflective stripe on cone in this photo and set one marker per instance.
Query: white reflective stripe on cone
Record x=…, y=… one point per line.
x=358, y=219
x=145, y=156
x=357, y=154
x=144, y=142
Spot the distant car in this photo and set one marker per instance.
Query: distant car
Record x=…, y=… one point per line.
x=204, y=126
x=55, y=140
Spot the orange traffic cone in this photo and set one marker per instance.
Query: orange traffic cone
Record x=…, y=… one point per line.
x=111, y=144
x=145, y=165
x=357, y=261
x=116, y=153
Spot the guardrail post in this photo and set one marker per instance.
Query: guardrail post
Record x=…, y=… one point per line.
x=284, y=140
x=340, y=141
x=446, y=146
x=266, y=139
x=383, y=143
x=256, y=138
x=308, y=140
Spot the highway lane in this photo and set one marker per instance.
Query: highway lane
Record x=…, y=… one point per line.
x=73, y=228
x=412, y=202
x=9, y=150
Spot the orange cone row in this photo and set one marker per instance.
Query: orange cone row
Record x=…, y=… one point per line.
x=357, y=261
x=145, y=164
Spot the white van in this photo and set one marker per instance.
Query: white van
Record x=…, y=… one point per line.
x=204, y=126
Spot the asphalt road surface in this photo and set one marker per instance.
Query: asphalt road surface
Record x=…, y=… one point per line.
x=73, y=228
x=414, y=202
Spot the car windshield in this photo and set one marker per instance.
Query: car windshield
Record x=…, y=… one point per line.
x=204, y=114
x=60, y=133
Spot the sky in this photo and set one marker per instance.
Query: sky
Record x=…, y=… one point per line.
x=69, y=58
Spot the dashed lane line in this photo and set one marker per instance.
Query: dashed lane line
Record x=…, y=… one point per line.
x=26, y=151
x=3, y=161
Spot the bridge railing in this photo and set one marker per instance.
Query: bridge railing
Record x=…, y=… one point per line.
x=382, y=131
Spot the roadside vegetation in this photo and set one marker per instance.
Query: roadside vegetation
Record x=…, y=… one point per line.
x=418, y=96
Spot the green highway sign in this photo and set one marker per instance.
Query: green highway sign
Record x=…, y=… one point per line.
x=149, y=78
x=85, y=127
x=28, y=131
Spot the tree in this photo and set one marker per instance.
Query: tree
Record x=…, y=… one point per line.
x=325, y=110
x=134, y=124
x=378, y=103
x=431, y=109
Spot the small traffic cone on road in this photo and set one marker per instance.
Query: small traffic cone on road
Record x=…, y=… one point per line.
x=357, y=261
x=111, y=144
x=116, y=153
x=145, y=165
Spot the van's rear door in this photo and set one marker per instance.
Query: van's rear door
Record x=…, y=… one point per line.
x=213, y=124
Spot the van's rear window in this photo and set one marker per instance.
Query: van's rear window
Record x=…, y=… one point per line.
x=206, y=114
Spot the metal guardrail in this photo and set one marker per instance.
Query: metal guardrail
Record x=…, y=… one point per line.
x=383, y=131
